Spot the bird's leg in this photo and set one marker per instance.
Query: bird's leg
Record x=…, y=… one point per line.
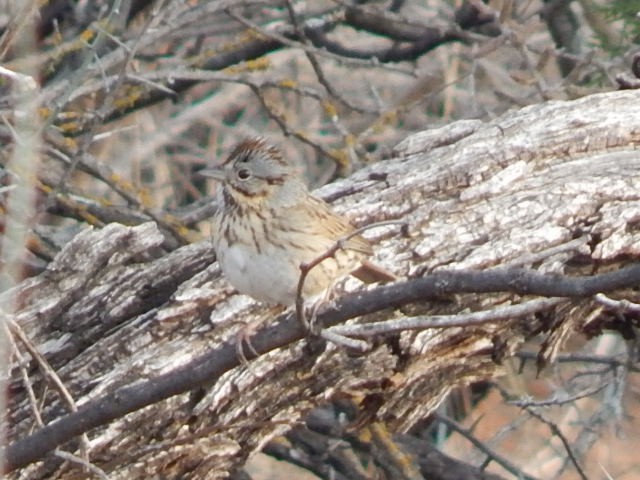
x=326, y=299
x=246, y=332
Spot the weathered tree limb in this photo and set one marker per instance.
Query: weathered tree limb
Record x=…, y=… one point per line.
x=552, y=188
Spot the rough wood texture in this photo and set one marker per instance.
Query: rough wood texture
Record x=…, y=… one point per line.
x=554, y=187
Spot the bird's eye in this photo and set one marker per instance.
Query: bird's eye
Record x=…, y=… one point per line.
x=244, y=173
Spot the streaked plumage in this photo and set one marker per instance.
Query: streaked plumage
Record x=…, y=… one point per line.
x=268, y=224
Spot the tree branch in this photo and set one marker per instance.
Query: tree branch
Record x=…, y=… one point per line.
x=209, y=367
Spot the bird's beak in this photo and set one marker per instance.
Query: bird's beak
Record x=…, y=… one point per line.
x=217, y=172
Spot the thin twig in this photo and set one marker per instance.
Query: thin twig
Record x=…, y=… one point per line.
x=448, y=321
x=76, y=80
x=555, y=401
x=491, y=454
x=286, y=129
x=604, y=470
x=15, y=331
x=317, y=68
x=197, y=74
x=623, y=305
x=70, y=457
x=35, y=409
x=350, y=343
x=582, y=358
x=47, y=370
x=557, y=432
x=26, y=382
x=306, y=267
x=357, y=62
x=80, y=156
x=24, y=83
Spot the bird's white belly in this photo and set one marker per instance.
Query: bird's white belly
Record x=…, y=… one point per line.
x=265, y=276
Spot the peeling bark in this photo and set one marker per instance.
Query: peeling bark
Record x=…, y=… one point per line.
x=554, y=187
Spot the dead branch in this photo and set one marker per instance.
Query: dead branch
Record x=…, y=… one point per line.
x=131, y=329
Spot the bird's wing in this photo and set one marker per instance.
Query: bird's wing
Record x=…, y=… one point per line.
x=315, y=215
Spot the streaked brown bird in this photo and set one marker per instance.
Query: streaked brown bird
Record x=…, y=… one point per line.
x=268, y=224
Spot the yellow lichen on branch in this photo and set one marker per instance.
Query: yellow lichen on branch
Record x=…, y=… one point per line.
x=330, y=109
x=131, y=96
x=249, y=66
x=288, y=83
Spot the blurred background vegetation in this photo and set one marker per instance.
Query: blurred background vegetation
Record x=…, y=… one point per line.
x=135, y=96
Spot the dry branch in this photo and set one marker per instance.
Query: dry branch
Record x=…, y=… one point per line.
x=127, y=325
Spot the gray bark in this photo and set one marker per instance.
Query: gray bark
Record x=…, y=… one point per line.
x=552, y=187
